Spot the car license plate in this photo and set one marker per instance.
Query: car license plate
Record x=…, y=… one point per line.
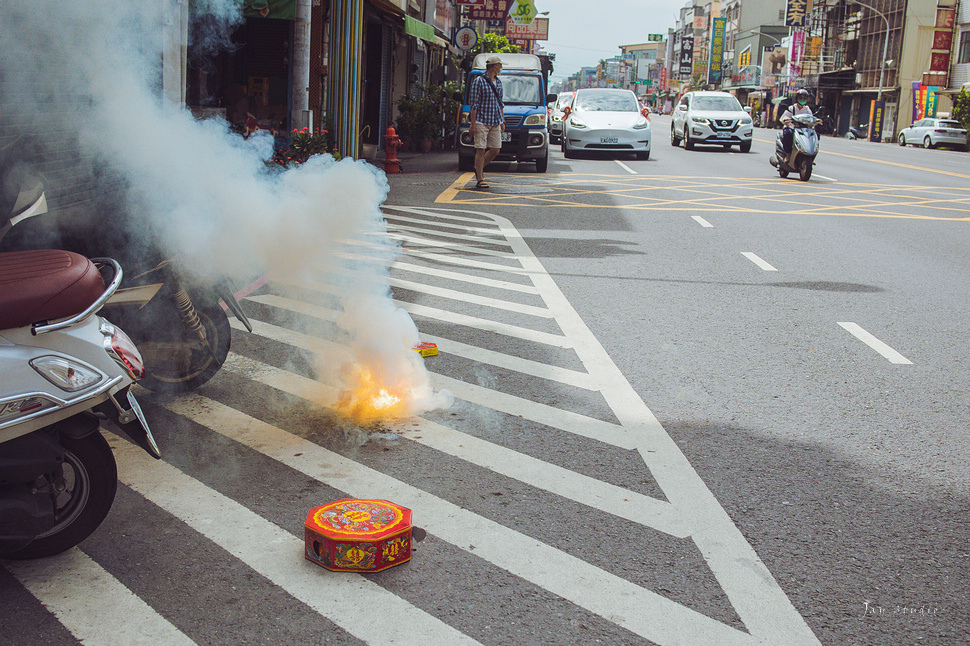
x=724, y=135
x=609, y=140
x=506, y=136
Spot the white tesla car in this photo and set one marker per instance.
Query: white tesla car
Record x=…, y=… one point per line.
x=605, y=120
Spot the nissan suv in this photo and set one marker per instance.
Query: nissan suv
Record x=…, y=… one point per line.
x=711, y=118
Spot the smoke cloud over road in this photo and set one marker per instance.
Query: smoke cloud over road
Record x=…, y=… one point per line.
x=94, y=68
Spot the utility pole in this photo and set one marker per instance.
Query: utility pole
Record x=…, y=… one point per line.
x=300, y=116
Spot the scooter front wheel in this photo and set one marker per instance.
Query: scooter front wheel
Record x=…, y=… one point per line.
x=90, y=480
x=805, y=170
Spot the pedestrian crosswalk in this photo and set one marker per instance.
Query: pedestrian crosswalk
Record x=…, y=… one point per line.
x=557, y=508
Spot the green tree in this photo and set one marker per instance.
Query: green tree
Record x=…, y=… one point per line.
x=493, y=43
x=961, y=108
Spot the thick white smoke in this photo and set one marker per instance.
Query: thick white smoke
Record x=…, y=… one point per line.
x=206, y=192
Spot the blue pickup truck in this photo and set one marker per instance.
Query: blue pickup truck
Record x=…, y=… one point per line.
x=524, y=83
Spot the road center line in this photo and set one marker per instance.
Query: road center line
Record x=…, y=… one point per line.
x=855, y=330
x=625, y=167
x=701, y=221
x=753, y=257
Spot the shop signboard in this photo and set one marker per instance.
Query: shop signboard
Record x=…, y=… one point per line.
x=537, y=30
x=716, y=56
x=686, y=55
x=796, y=13
x=492, y=10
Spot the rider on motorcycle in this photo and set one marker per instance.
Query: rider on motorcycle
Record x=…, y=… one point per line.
x=800, y=106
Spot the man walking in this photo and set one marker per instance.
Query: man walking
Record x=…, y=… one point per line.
x=487, y=117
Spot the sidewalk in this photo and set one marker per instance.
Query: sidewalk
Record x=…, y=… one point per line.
x=440, y=161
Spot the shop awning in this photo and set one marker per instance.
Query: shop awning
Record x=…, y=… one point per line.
x=418, y=29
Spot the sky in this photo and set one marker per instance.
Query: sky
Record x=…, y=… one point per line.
x=583, y=32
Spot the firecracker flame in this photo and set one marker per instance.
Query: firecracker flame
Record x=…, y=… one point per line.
x=369, y=400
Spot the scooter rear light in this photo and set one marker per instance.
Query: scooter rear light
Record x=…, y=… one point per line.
x=65, y=374
x=122, y=349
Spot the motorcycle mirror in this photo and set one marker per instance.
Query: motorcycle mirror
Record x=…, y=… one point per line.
x=22, y=194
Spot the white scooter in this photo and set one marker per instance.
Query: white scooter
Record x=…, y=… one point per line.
x=62, y=368
x=804, y=148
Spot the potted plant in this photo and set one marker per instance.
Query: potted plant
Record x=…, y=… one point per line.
x=417, y=121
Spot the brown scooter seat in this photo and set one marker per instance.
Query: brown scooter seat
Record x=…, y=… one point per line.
x=44, y=285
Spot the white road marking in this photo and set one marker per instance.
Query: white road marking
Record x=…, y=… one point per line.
x=442, y=292
x=625, y=167
x=874, y=343
x=626, y=604
x=93, y=605
x=619, y=501
x=828, y=179
x=701, y=221
x=753, y=257
x=349, y=600
x=758, y=599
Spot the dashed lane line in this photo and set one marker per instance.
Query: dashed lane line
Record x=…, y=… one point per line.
x=858, y=332
x=753, y=257
x=625, y=167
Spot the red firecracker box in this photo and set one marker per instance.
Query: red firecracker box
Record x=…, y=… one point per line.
x=353, y=535
x=426, y=349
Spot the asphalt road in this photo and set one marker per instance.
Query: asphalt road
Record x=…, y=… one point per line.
x=695, y=403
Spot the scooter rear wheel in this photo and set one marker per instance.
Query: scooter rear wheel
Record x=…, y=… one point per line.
x=91, y=478
x=782, y=172
x=192, y=365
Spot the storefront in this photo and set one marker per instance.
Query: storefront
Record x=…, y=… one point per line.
x=247, y=72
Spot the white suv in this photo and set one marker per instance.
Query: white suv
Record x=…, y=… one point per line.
x=714, y=118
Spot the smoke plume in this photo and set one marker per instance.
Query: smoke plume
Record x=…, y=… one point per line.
x=93, y=68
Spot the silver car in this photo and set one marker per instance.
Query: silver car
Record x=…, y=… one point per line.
x=713, y=118
x=557, y=115
x=931, y=133
x=606, y=120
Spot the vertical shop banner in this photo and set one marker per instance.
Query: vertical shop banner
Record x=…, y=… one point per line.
x=686, y=55
x=921, y=102
x=663, y=78
x=929, y=106
x=877, y=112
x=916, y=110
x=797, y=53
x=716, y=57
x=796, y=13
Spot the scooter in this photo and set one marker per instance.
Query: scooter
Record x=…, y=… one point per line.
x=860, y=131
x=804, y=148
x=174, y=318
x=62, y=368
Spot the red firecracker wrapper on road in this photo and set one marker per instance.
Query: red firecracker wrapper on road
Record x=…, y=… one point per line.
x=353, y=535
x=426, y=349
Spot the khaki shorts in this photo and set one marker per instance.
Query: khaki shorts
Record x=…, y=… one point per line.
x=488, y=136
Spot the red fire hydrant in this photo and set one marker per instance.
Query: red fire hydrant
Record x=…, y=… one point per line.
x=391, y=143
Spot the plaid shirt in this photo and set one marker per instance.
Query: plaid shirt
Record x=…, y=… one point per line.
x=488, y=109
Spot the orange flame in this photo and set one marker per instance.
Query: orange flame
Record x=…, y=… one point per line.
x=368, y=400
